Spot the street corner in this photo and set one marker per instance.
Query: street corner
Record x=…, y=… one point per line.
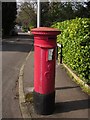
x=24, y=97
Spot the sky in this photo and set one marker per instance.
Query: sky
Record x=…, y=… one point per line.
x=44, y=0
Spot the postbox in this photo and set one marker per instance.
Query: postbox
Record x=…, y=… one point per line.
x=44, y=69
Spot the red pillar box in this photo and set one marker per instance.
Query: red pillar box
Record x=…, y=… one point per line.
x=44, y=69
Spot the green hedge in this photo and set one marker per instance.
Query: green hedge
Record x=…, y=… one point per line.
x=75, y=38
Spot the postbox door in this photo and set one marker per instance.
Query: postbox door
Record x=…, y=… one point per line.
x=44, y=80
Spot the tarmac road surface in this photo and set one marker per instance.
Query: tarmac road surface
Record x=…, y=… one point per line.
x=14, y=52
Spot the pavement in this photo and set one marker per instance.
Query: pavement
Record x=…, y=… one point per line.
x=70, y=100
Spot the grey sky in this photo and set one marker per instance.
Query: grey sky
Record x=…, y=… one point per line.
x=45, y=0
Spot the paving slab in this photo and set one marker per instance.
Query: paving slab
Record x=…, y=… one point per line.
x=70, y=100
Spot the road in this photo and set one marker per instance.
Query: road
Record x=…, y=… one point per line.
x=14, y=52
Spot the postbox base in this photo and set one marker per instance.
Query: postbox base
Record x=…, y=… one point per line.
x=44, y=104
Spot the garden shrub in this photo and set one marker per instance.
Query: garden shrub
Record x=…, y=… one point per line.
x=75, y=38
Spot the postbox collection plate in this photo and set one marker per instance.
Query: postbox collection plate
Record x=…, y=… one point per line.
x=50, y=54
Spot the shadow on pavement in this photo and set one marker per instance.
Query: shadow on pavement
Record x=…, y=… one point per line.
x=20, y=35
x=68, y=87
x=71, y=106
x=22, y=43
x=31, y=36
x=16, y=47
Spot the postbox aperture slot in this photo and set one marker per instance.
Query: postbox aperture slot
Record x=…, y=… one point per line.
x=51, y=38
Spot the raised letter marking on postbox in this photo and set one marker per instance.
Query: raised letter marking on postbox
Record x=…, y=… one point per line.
x=50, y=54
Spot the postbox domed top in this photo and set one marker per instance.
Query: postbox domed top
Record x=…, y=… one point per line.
x=45, y=31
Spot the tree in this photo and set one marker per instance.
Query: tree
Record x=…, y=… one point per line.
x=27, y=14
x=87, y=9
x=44, y=13
x=9, y=11
x=82, y=10
x=61, y=11
x=52, y=12
x=55, y=11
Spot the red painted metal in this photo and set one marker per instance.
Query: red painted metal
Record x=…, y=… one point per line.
x=45, y=31
x=44, y=59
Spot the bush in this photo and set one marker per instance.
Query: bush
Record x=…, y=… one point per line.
x=75, y=38
x=25, y=29
x=31, y=27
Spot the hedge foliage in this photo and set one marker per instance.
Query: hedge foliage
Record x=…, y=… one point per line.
x=75, y=38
